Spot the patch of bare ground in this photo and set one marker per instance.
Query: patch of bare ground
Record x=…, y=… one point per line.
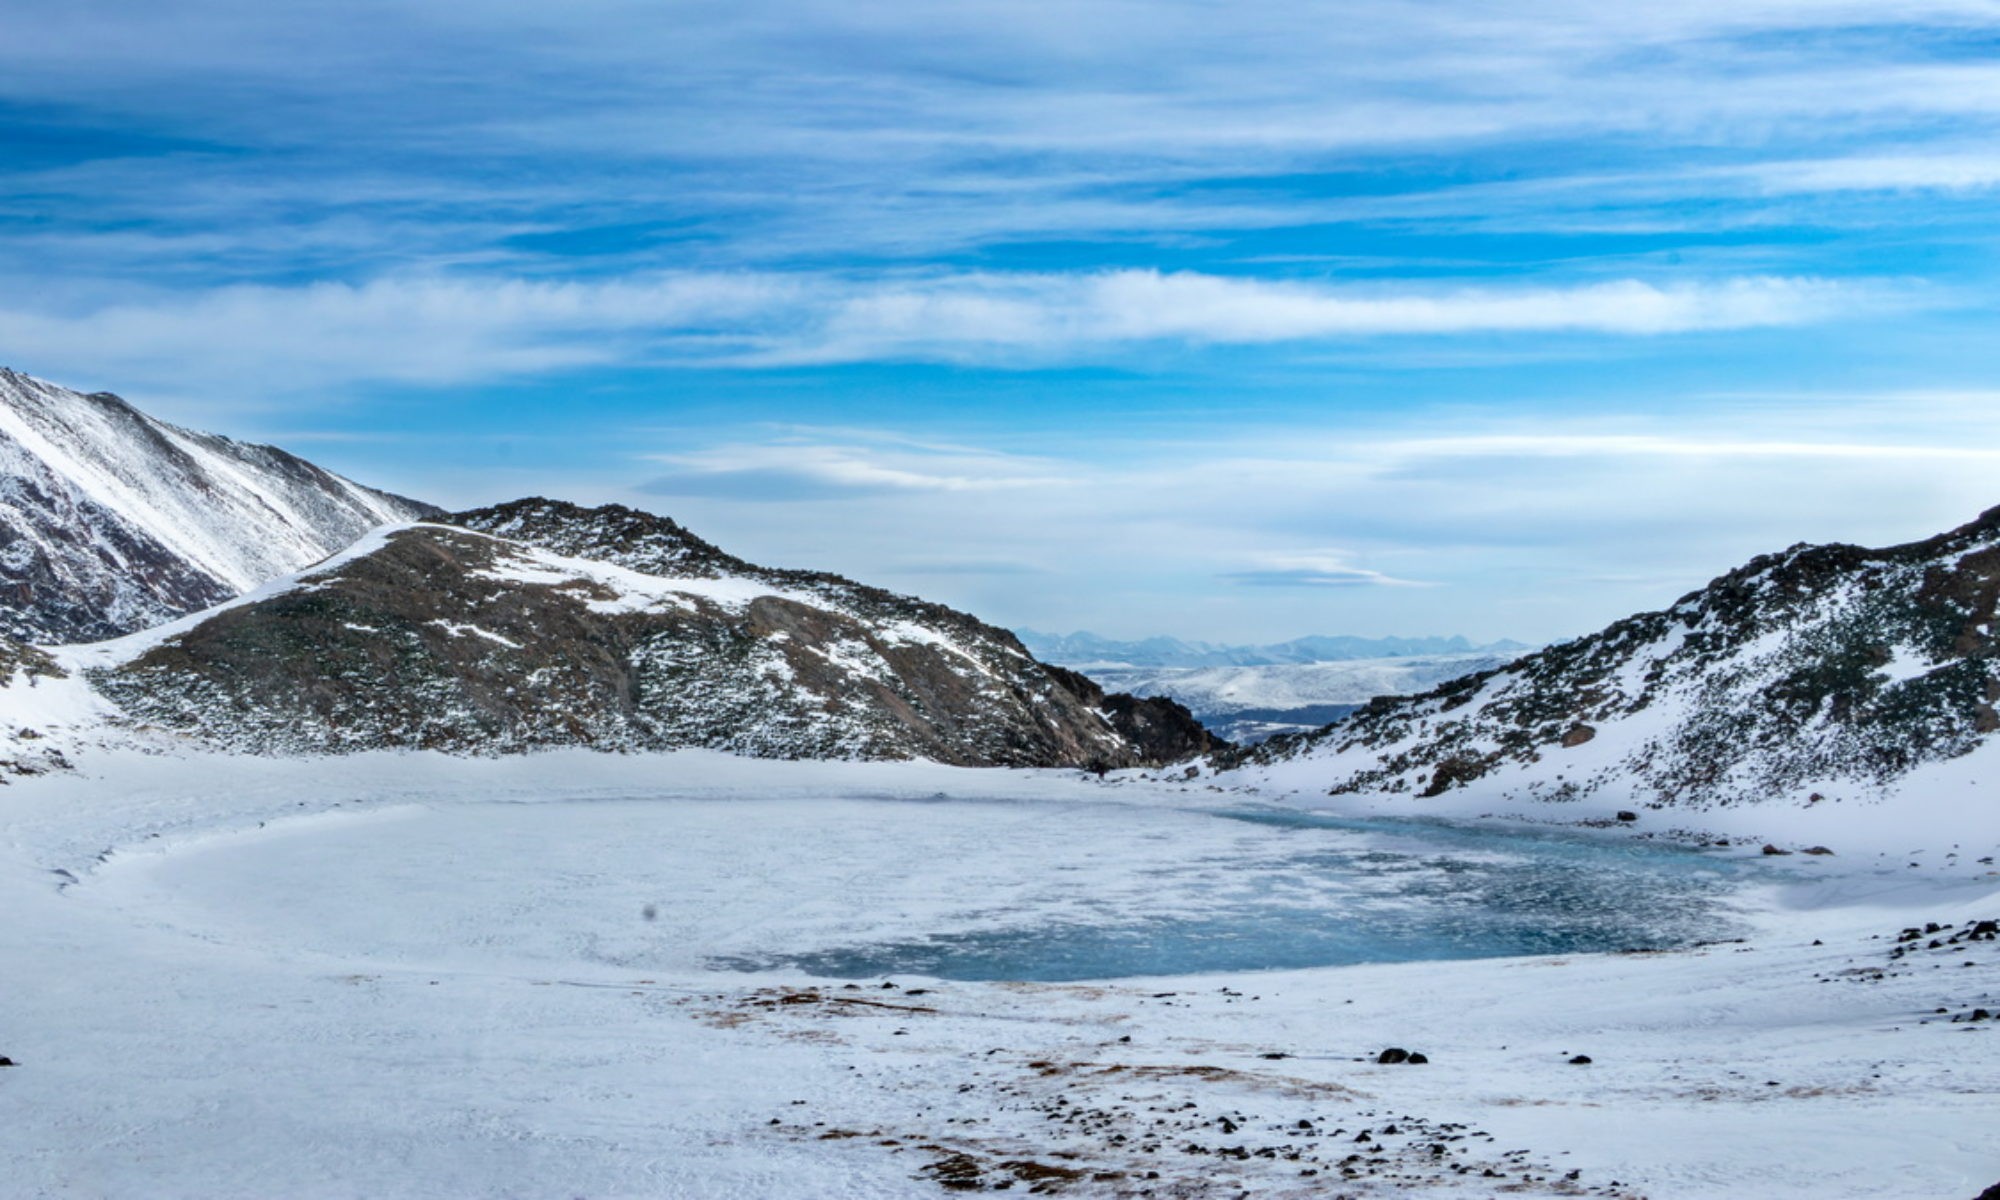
x=1166, y=1130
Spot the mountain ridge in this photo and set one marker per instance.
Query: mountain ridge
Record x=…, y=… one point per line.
x=1817, y=672
x=539, y=623
x=112, y=521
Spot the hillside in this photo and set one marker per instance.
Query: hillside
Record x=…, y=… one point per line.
x=1821, y=673
x=112, y=521
x=539, y=624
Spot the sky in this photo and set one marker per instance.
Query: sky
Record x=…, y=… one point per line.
x=1227, y=322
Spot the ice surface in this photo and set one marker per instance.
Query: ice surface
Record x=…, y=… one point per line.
x=960, y=889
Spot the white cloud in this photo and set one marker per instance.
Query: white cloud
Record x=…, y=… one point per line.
x=435, y=330
x=1503, y=527
x=802, y=468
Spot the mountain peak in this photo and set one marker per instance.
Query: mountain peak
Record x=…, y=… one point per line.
x=112, y=521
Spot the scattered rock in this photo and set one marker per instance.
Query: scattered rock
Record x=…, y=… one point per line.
x=1815, y=850
x=1770, y=849
x=1627, y=815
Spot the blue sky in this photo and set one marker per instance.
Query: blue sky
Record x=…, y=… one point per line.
x=1222, y=321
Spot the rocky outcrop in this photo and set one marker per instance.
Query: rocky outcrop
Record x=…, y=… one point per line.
x=111, y=521
x=539, y=624
x=1818, y=665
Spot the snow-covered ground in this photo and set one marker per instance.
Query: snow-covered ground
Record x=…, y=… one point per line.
x=414, y=975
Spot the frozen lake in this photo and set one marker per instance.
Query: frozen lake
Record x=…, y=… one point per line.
x=960, y=888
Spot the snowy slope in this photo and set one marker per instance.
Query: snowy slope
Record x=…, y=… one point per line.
x=1822, y=673
x=111, y=521
x=1249, y=703
x=539, y=624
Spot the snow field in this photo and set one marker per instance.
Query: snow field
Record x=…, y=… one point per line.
x=185, y=1027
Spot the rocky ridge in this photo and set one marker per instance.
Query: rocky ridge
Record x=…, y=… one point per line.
x=112, y=521
x=539, y=624
x=1816, y=672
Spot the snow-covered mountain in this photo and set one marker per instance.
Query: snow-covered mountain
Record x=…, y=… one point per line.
x=111, y=521
x=1822, y=673
x=538, y=623
x=1251, y=703
x=1085, y=649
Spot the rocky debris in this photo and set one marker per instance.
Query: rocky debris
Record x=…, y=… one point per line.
x=1933, y=944
x=25, y=748
x=1114, y=1126
x=112, y=522
x=541, y=624
x=1818, y=665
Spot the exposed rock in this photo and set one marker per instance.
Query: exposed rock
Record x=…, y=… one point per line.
x=1773, y=850
x=539, y=624
x=111, y=521
x=1393, y=1054
x=1820, y=664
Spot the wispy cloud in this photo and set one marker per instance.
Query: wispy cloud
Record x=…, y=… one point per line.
x=1509, y=528
x=453, y=329
x=1317, y=569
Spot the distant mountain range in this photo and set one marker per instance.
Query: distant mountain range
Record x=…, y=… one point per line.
x=1249, y=693
x=1087, y=650
x=1248, y=704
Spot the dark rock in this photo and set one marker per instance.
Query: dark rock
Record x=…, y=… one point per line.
x=76, y=567
x=1576, y=735
x=7, y=1062
x=1773, y=850
x=1393, y=1055
x=447, y=638
x=1417, y=1057
x=1627, y=815
x=1581, y=1060
x=1784, y=654
x=1160, y=728
x=1821, y=850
